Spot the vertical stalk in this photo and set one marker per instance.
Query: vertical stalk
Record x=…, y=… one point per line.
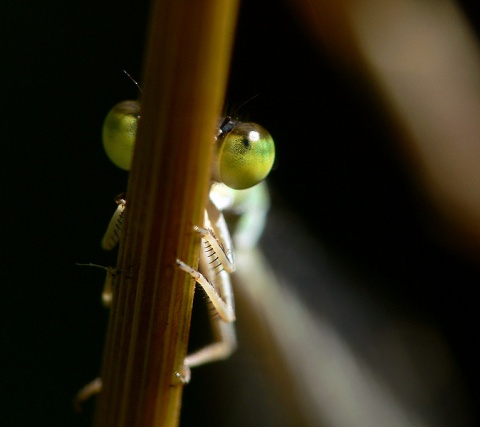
x=185, y=75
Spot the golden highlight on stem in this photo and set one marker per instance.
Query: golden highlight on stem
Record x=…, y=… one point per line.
x=186, y=68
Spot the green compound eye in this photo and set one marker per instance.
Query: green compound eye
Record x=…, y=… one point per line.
x=245, y=155
x=119, y=131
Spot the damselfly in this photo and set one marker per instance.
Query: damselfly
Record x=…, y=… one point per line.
x=244, y=155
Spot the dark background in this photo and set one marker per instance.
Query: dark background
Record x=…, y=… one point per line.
x=338, y=172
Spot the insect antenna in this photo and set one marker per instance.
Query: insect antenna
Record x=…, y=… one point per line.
x=229, y=121
x=133, y=81
x=234, y=113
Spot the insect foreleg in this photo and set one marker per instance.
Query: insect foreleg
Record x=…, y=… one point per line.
x=222, y=309
x=224, y=345
x=114, y=229
x=223, y=329
x=91, y=389
x=215, y=263
x=219, y=237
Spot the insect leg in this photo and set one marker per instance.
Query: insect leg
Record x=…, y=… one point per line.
x=222, y=308
x=215, y=280
x=91, y=389
x=215, y=232
x=224, y=336
x=107, y=287
x=114, y=229
x=223, y=329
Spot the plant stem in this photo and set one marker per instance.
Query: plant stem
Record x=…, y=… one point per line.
x=185, y=75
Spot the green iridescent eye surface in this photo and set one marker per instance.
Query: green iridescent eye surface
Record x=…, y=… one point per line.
x=245, y=156
x=119, y=132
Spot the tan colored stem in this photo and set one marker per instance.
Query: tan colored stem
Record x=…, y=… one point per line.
x=184, y=82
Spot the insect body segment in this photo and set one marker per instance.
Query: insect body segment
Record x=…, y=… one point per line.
x=244, y=155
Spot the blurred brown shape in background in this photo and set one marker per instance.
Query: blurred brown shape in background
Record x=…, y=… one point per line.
x=421, y=59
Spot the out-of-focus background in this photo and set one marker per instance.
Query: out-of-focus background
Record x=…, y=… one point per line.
x=373, y=235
